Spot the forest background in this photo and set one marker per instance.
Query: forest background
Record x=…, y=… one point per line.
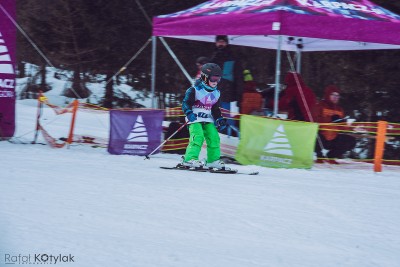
x=92, y=38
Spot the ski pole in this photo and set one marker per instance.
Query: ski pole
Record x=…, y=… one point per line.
x=341, y=119
x=166, y=140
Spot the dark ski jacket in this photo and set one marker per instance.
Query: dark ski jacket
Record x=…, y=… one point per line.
x=231, y=84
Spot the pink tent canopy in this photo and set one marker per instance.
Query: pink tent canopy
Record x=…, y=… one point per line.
x=322, y=25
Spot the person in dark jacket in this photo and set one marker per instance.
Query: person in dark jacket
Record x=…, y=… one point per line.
x=297, y=99
x=232, y=72
x=328, y=110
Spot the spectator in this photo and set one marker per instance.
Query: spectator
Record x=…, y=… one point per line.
x=252, y=101
x=328, y=110
x=297, y=98
x=231, y=84
x=200, y=61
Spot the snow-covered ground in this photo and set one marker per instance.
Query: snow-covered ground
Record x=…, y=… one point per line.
x=107, y=210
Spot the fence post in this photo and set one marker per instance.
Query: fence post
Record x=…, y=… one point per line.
x=71, y=130
x=380, y=145
x=41, y=98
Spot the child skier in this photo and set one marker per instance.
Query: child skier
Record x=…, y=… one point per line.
x=201, y=106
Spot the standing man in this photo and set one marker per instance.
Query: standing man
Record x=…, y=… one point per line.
x=231, y=84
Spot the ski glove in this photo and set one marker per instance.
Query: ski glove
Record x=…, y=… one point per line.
x=191, y=116
x=221, y=123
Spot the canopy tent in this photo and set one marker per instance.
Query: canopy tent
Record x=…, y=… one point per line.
x=291, y=25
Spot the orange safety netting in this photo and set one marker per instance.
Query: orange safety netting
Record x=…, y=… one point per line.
x=174, y=112
x=175, y=144
x=49, y=139
x=72, y=107
x=58, y=110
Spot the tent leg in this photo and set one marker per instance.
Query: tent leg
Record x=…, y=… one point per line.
x=277, y=76
x=153, y=70
x=298, y=61
x=174, y=57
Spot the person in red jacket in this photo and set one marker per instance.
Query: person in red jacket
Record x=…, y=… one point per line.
x=328, y=110
x=297, y=99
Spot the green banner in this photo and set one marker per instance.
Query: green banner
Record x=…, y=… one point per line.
x=276, y=143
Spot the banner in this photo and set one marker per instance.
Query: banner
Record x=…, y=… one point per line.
x=7, y=72
x=276, y=143
x=135, y=132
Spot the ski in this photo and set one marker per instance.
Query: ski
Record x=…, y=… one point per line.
x=233, y=172
x=248, y=173
x=184, y=169
x=226, y=171
x=230, y=171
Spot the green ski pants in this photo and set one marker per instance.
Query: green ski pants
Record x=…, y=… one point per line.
x=198, y=132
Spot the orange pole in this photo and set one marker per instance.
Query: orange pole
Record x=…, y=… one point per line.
x=380, y=145
x=71, y=130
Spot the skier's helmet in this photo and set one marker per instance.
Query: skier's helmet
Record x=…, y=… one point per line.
x=210, y=72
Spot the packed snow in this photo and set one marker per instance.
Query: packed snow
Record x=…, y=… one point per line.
x=97, y=209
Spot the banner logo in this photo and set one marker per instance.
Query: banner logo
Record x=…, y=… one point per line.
x=6, y=66
x=138, y=132
x=135, y=132
x=279, y=143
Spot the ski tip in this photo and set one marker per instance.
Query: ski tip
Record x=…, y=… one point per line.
x=228, y=171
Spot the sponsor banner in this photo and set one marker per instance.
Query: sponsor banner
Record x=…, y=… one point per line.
x=7, y=71
x=276, y=143
x=135, y=132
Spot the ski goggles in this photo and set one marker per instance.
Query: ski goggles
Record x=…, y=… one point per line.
x=214, y=79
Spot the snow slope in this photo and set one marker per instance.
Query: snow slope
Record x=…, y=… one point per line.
x=108, y=210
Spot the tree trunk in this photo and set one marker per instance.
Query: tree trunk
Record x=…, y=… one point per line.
x=21, y=69
x=109, y=95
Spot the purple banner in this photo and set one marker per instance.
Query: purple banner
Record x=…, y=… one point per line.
x=7, y=72
x=135, y=132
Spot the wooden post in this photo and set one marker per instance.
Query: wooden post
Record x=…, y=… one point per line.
x=41, y=99
x=71, y=130
x=380, y=145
